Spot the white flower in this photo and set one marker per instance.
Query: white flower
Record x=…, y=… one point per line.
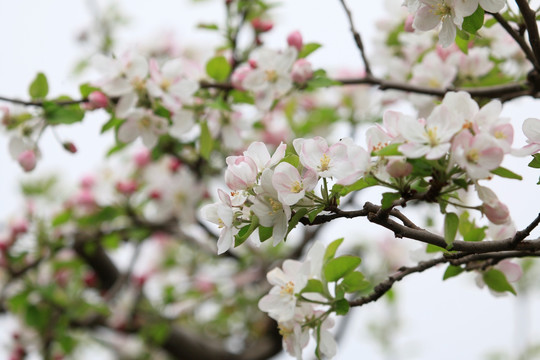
x=222, y=214
x=476, y=154
x=431, y=139
x=531, y=129
x=290, y=186
x=280, y=303
x=143, y=123
x=272, y=77
x=260, y=155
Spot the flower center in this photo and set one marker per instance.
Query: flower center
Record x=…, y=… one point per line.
x=473, y=156
x=325, y=163
x=500, y=135
x=165, y=84
x=271, y=75
x=432, y=136
x=276, y=205
x=441, y=9
x=145, y=122
x=287, y=289
x=296, y=187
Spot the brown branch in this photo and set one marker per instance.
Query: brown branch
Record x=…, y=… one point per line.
x=518, y=38
x=490, y=259
x=521, y=235
x=529, y=15
x=41, y=103
x=357, y=38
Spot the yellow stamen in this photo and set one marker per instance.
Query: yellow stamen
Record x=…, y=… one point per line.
x=325, y=163
x=287, y=289
x=271, y=75
x=473, y=156
x=297, y=187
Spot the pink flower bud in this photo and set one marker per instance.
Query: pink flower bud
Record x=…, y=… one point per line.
x=239, y=75
x=498, y=214
x=88, y=181
x=512, y=271
x=97, y=100
x=295, y=40
x=398, y=168
x=127, y=187
x=85, y=198
x=174, y=164
x=90, y=279
x=139, y=280
x=19, y=227
x=241, y=172
x=252, y=63
x=155, y=194
x=69, y=146
x=27, y=159
x=409, y=23
x=301, y=71
x=261, y=25
x=142, y=158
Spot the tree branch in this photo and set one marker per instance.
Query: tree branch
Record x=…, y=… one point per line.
x=518, y=38
x=357, y=38
x=529, y=16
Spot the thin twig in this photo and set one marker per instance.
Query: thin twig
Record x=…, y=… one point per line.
x=521, y=235
x=357, y=38
x=518, y=38
x=532, y=27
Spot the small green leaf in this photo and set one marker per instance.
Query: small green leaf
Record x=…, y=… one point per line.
x=265, y=233
x=218, y=68
x=111, y=124
x=246, y=231
x=340, y=267
x=496, y=281
x=292, y=159
x=452, y=271
x=208, y=26
x=308, y=49
x=363, y=183
x=206, y=141
x=390, y=150
x=62, y=218
x=111, y=241
x=354, y=282
x=388, y=199
x=342, y=307
x=430, y=249
x=475, y=234
x=313, y=213
x=474, y=22
x=87, y=89
x=505, y=173
x=331, y=249
x=116, y=148
x=241, y=97
x=451, y=224
x=535, y=162
x=313, y=286
x=39, y=88
x=296, y=218
x=62, y=114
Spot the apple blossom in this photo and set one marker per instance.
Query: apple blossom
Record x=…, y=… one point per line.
x=295, y=40
x=316, y=155
x=290, y=186
x=258, y=152
x=301, y=71
x=271, y=79
x=476, y=154
x=222, y=214
x=143, y=123
x=531, y=129
x=241, y=172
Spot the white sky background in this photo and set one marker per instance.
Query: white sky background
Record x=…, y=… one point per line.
x=450, y=320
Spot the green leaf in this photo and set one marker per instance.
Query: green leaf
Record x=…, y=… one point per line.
x=340, y=267
x=430, y=249
x=208, y=26
x=206, y=141
x=505, y=173
x=116, y=148
x=296, y=218
x=342, y=307
x=39, y=88
x=36, y=317
x=313, y=286
x=388, y=199
x=218, y=68
x=308, y=49
x=331, y=249
x=452, y=271
x=354, y=282
x=313, y=213
x=62, y=114
x=105, y=214
x=62, y=218
x=496, y=281
x=390, y=150
x=111, y=241
x=535, y=162
x=292, y=159
x=246, y=231
x=87, y=89
x=111, y=124
x=265, y=233
x=363, y=183
x=474, y=22
x=475, y=234
x=451, y=224
x=462, y=41
x=242, y=97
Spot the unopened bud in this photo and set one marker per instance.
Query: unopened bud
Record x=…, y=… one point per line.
x=261, y=25
x=97, y=100
x=301, y=71
x=127, y=187
x=398, y=168
x=295, y=40
x=27, y=159
x=174, y=164
x=155, y=194
x=142, y=158
x=69, y=146
x=498, y=214
x=238, y=77
x=409, y=23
